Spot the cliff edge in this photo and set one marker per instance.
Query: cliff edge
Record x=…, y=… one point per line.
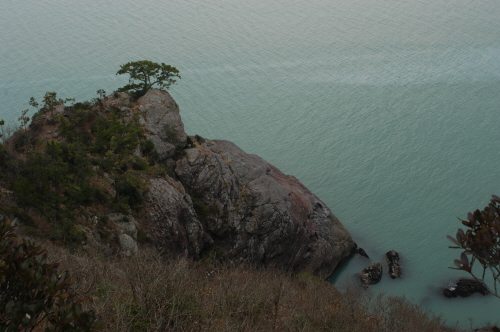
x=113, y=174
x=224, y=200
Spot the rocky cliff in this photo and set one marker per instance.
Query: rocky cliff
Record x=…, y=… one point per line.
x=222, y=200
x=106, y=174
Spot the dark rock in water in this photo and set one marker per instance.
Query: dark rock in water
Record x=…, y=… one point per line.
x=361, y=251
x=488, y=329
x=465, y=287
x=371, y=275
x=392, y=260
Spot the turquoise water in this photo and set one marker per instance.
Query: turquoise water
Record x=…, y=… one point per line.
x=388, y=111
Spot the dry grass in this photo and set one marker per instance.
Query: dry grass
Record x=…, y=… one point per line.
x=151, y=293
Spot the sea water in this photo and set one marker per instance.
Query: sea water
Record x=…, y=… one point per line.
x=388, y=110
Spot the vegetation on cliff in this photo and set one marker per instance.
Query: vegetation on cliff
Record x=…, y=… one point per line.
x=50, y=182
x=79, y=160
x=73, y=177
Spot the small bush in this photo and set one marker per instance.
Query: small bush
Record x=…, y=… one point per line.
x=67, y=232
x=171, y=134
x=148, y=150
x=139, y=164
x=34, y=293
x=142, y=236
x=85, y=105
x=130, y=191
x=18, y=213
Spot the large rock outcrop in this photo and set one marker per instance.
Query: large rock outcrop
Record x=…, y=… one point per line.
x=220, y=198
x=162, y=119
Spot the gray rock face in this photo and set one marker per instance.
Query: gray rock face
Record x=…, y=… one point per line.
x=173, y=217
x=128, y=244
x=227, y=200
x=163, y=121
x=126, y=224
x=258, y=213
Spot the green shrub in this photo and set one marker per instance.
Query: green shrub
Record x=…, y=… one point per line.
x=142, y=236
x=18, y=213
x=130, y=191
x=481, y=241
x=148, y=150
x=85, y=105
x=203, y=211
x=115, y=135
x=67, y=232
x=34, y=294
x=139, y=164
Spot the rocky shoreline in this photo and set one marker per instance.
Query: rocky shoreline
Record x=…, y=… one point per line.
x=200, y=197
x=254, y=212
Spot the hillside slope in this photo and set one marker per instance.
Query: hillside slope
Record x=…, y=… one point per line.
x=114, y=172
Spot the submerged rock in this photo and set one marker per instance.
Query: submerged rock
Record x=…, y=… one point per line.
x=392, y=260
x=465, y=288
x=371, y=275
x=488, y=329
x=361, y=252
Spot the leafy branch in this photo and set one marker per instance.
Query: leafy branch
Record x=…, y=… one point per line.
x=33, y=292
x=481, y=241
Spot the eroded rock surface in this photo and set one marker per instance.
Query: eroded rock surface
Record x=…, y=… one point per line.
x=259, y=213
x=128, y=244
x=173, y=217
x=226, y=200
x=371, y=275
x=392, y=260
x=162, y=119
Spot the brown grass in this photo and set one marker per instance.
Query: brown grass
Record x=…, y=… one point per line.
x=148, y=292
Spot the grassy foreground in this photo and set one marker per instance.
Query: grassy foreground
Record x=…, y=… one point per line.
x=149, y=292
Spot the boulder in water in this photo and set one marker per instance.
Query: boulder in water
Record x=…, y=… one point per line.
x=361, y=252
x=392, y=260
x=465, y=288
x=371, y=275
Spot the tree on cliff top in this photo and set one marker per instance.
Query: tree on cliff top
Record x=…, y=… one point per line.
x=144, y=74
x=482, y=242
